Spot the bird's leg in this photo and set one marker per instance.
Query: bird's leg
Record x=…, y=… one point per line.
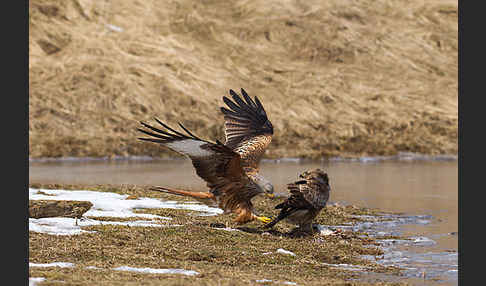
x=302, y=230
x=306, y=228
x=262, y=219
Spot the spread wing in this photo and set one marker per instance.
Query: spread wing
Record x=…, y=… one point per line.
x=247, y=128
x=215, y=163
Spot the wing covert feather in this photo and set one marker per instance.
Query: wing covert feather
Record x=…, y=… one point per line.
x=247, y=128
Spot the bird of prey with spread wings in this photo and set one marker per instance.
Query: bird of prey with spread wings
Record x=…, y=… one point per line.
x=231, y=170
x=308, y=196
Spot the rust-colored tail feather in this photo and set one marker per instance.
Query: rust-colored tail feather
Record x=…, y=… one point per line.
x=197, y=195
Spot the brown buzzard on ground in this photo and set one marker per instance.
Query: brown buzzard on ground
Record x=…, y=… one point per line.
x=230, y=169
x=308, y=196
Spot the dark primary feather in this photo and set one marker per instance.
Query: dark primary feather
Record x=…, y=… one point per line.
x=164, y=136
x=244, y=119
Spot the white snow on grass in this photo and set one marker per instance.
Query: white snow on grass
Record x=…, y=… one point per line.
x=324, y=231
x=345, y=266
x=286, y=252
x=157, y=271
x=114, y=28
x=204, y=209
x=67, y=226
x=34, y=280
x=93, y=268
x=226, y=228
x=422, y=240
x=105, y=204
x=263, y=280
x=53, y=264
x=278, y=282
x=55, y=226
x=115, y=205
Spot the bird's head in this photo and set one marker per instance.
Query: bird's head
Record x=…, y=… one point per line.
x=265, y=186
x=317, y=175
x=268, y=188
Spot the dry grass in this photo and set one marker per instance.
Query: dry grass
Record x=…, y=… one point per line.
x=337, y=78
x=222, y=257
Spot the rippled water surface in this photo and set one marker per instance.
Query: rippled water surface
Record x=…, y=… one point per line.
x=424, y=192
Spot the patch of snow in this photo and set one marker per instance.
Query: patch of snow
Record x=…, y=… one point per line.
x=345, y=266
x=226, y=228
x=268, y=280
x=143, y=223
x=206, y=210
x=283, y=251
x=422, y=240
x=105, y=204
x=115, y=205
x=324, y=231
x=67, y=226
x=93, y=267
x=55, y=226
x=114, y=28
x=53, y=264
x=34, y=280
x=157, y=271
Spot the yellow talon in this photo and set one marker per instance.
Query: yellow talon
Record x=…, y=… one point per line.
x=264, y=219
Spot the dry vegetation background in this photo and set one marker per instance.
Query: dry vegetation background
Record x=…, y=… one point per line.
x=337, y=78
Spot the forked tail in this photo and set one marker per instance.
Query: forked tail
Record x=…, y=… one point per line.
x=197, y=195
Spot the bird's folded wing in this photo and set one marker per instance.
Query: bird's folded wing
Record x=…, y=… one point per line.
x=215, y=163
x=247, y=128
x=298, y=195
x=309, y=192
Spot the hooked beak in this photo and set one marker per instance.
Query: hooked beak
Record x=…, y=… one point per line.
x=269, y=191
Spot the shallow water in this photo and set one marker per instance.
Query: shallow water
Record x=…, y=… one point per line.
x=424, y=191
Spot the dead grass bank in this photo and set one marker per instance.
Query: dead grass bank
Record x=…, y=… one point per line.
x=337, y=78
